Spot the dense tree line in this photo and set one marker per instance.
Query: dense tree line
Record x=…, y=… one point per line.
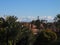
x=13, y=33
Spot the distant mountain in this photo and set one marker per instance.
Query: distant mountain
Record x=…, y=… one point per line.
x=28, y=19
x=25, y=20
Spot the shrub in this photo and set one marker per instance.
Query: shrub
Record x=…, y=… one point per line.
x=46, y=37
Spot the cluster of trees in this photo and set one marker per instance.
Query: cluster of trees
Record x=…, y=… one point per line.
x=13, y=33
x=8, y=30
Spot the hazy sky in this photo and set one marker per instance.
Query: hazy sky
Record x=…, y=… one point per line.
x=30, y=7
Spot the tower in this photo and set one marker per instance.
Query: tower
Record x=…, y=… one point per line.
x=37, y=17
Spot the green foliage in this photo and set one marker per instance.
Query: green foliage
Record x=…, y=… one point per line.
x=11, y=19
x=25, y=35
x=45, y=37
x=57, y=21
x=2, y=22
x=37, y=23
x=9, y=28
x=50, y=36
x=2, y=35
x=12, y=31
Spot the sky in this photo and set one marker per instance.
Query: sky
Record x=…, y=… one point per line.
x=30, y=8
